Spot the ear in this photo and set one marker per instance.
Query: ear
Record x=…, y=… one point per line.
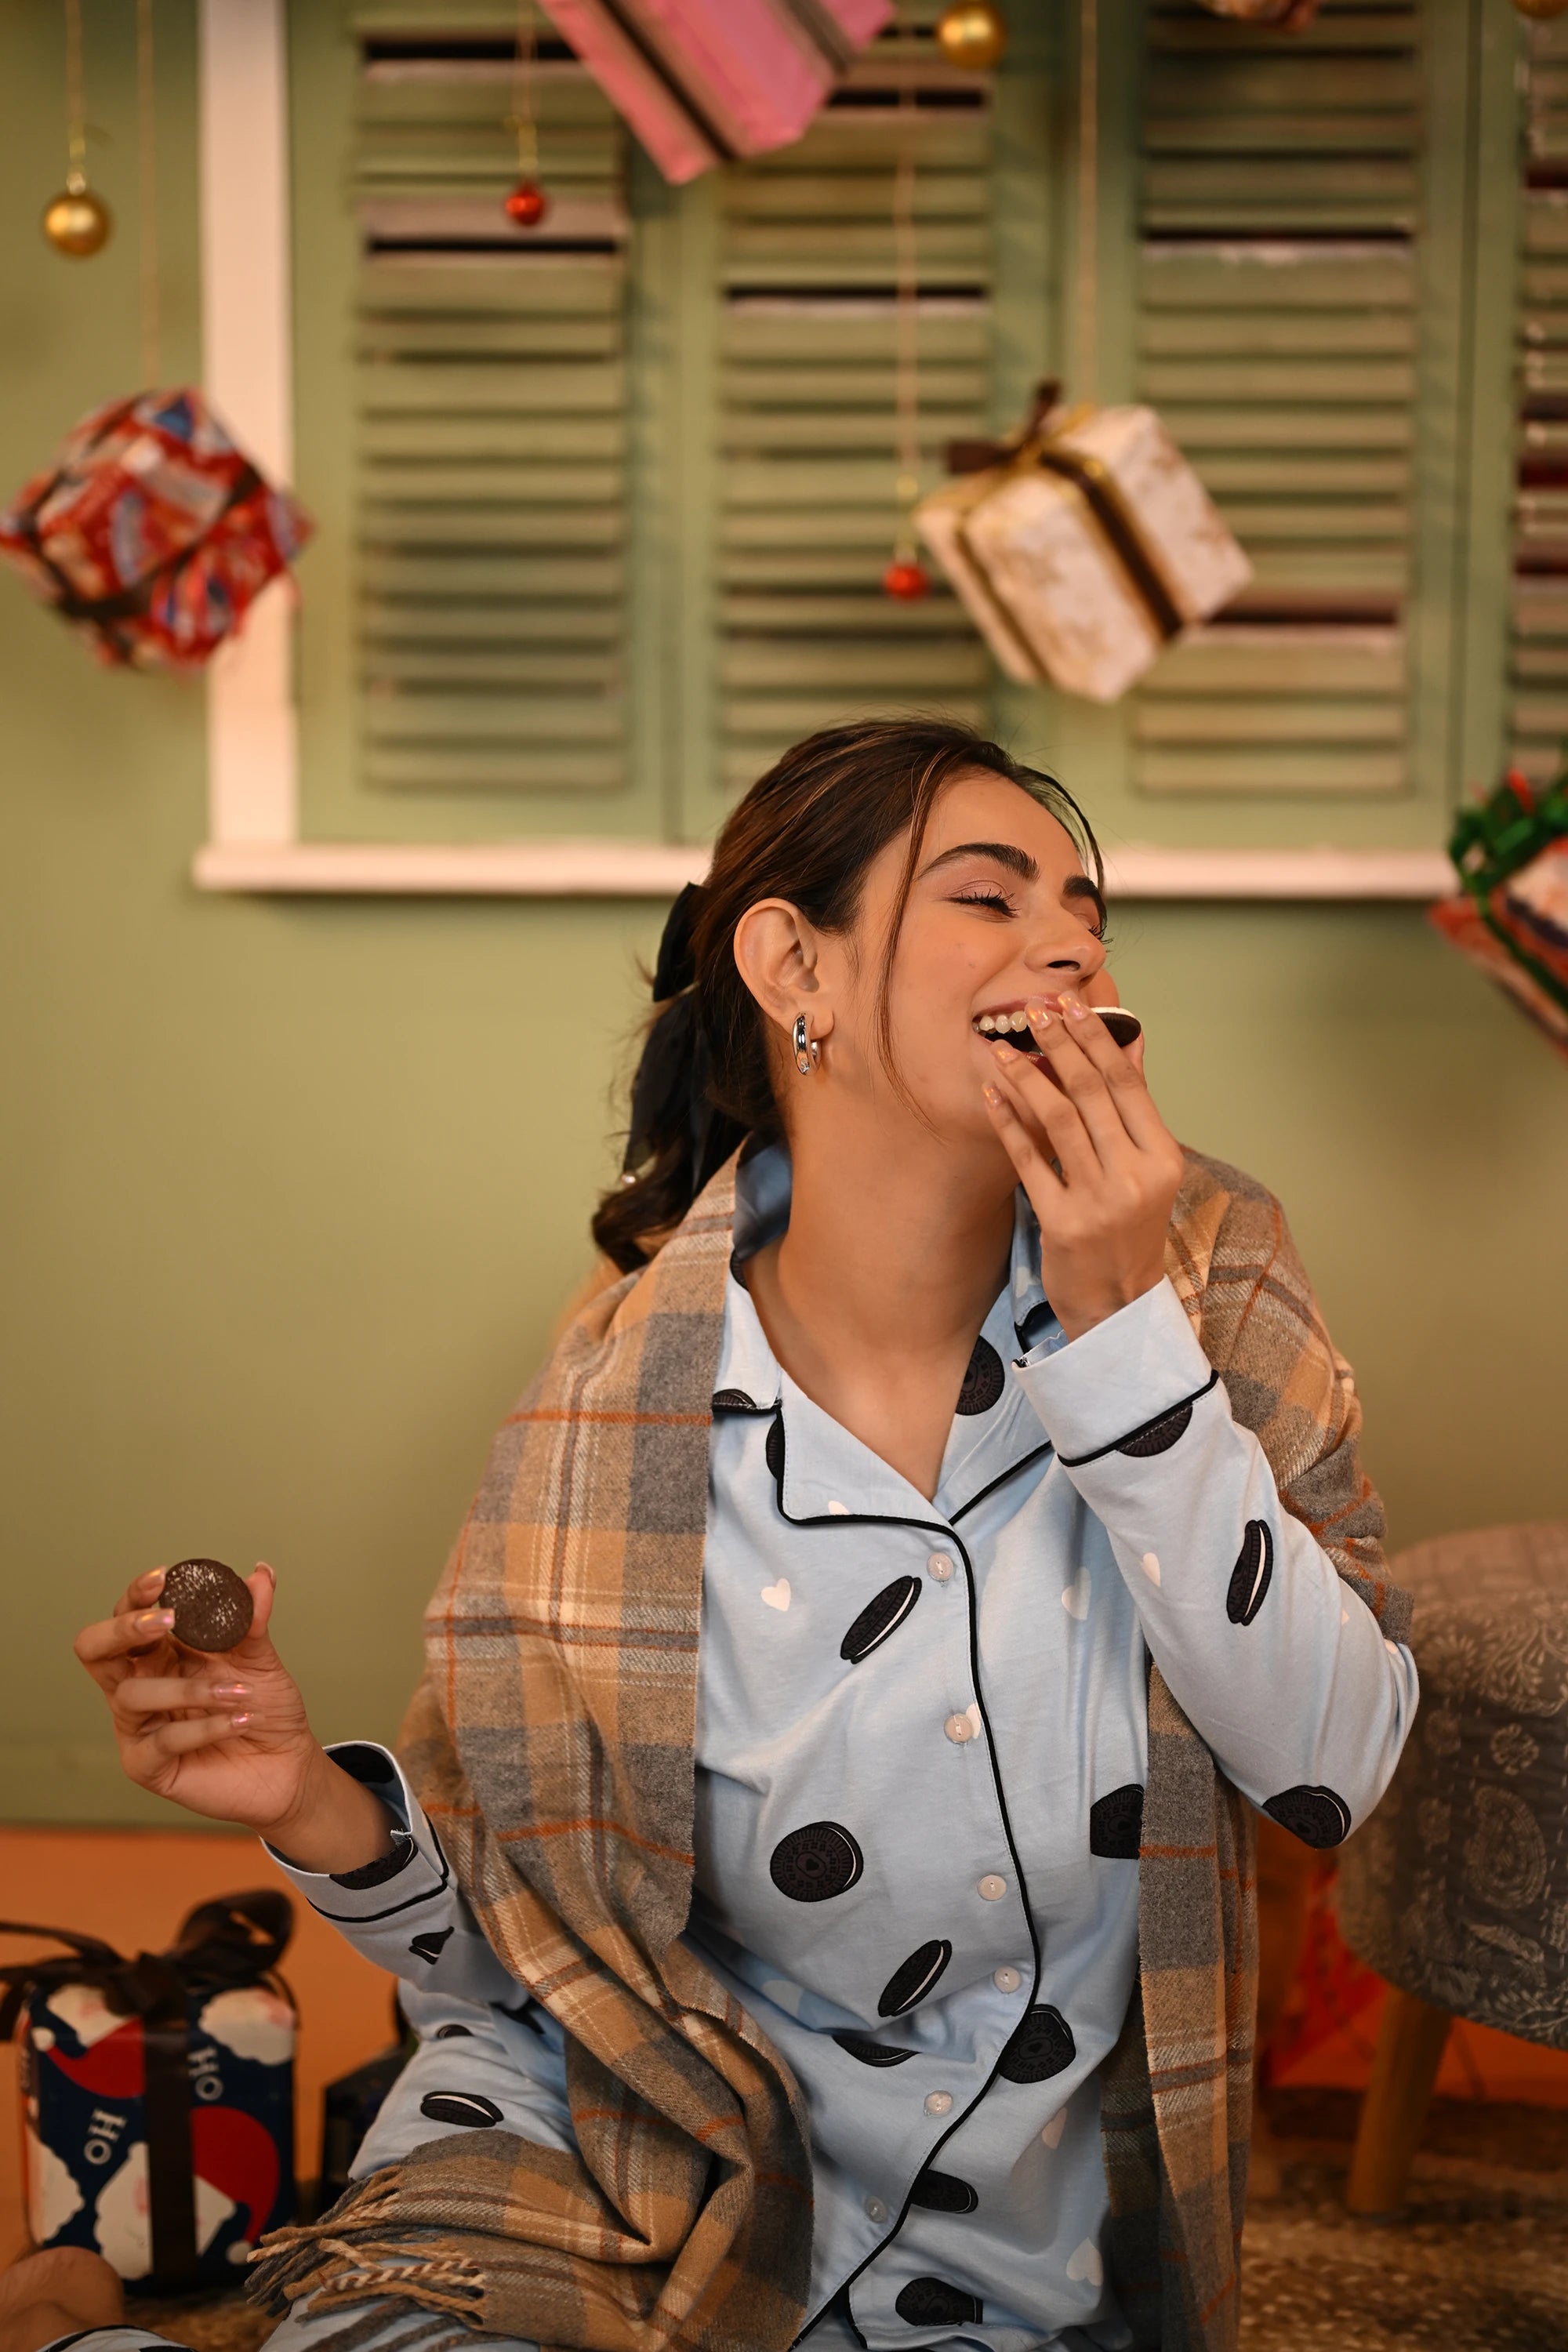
x=776, y=956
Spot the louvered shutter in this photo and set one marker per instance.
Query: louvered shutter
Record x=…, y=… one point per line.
x=490, y=430
x=1539, y=714
x=1279, y=221
x=807, y=422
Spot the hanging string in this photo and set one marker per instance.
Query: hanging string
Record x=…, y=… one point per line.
x=905, y=576
x=147, y=176
x=1086, y=353
x=76, y=124
x=523, y=120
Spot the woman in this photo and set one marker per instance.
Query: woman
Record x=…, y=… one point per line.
x=816, y=1868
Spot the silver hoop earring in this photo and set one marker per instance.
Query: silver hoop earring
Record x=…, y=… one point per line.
x=807, y=1051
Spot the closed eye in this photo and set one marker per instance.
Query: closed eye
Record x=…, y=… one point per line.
x=983, y=898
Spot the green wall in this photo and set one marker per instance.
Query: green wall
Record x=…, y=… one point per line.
x=289, y=1192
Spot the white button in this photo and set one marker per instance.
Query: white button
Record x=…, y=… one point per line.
x=875, y=2209
x=938, y=2102
x=1006, y=1979
x=992, y=1888
x=940, y=1566
x=959, y=1728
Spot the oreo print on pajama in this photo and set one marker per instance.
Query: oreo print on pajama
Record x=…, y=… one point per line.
x=939, y=1932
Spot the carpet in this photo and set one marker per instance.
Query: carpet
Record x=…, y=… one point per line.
x=1477, y=2262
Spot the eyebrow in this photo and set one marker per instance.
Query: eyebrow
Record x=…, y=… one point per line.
x=1019, y=861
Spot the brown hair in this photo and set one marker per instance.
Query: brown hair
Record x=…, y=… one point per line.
x=805, y=832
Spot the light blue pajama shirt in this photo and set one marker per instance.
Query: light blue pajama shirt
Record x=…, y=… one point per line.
x=921, y=1751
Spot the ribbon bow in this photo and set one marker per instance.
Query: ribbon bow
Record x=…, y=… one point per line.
x=236, y=1939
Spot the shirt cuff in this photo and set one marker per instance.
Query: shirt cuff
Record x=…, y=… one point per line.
x=1104, y=1387
x=411, y=1873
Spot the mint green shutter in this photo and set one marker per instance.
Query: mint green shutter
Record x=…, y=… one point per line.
x=490, y=391
x=1539, y=712
x=806, y=419
x=1277, y=326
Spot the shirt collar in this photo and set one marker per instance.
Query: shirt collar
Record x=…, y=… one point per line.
x=827, y=1474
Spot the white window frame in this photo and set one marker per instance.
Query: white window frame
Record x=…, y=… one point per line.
x=253, y=843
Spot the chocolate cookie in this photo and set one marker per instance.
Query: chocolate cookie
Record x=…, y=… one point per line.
x=211, y=1604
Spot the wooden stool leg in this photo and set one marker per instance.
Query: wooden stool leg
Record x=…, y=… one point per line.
x=1410, y=2043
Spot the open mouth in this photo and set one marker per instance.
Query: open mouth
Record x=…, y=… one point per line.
x=1011, y=1023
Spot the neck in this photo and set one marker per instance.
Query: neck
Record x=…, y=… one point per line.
x=896, y=1239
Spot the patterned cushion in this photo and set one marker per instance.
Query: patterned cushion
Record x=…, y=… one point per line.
x=1456, y=1890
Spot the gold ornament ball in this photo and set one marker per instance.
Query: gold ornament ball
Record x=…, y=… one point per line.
x=77, y=222
x=1542, y=7
x=975, y=33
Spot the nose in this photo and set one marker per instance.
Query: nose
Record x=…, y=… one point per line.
x=1062, y=948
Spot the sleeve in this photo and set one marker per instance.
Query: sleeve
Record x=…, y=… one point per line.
x=1276, y=1657
x=406, y=1912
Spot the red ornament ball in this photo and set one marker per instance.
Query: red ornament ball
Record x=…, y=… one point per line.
x=906, y=580
x=527, y=204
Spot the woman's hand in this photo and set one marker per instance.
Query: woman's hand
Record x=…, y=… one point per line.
x=1105, y=1205
x=227, y=1737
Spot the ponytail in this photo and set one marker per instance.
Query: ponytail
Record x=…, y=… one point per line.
x=805, y=832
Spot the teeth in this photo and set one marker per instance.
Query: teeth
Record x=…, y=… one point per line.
x=1020, y=1021
x=985, y=1022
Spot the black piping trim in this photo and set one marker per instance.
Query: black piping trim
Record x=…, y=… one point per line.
x=894, y=1518
x=411, y=1903
x=621, y=18
x=991, y=2080
x=1077, y=1461
x=824, y=32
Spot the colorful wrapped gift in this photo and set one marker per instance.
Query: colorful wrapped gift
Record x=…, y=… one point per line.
x=704, y=82
x=152, y=531
x=158, y=2125
x=1511, y=917
x=1082, y=546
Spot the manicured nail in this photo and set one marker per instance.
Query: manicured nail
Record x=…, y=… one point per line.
x=230, y=1690
x=1074, y=1009
x=153, y=1580
x=1005, y=1054
x=1039, y=1013
x=154, y=1621
x=994, y=1096
x=238, y=1722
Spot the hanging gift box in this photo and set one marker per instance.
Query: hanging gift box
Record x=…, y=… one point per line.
x=152, y=531
x=1082, y=546
x=1511, y=917
x=705, y=81
x=158, y=2092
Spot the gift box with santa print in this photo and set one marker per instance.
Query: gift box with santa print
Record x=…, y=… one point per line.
x=158, y=2092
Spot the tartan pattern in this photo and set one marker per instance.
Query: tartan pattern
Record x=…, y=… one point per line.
x=551, y=1743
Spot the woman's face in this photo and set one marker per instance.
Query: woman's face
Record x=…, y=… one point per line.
x=1000, y=909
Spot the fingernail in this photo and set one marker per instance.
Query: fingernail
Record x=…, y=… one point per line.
x=1039, y=1013
x=1079, y=1012
x=154, y=1576
x=994, y=1096
x=238, y=1722
x=230, y=1690
x=1004, y=1053
x=154, y=1621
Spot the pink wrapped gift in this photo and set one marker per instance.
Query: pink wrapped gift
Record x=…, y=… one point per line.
x=704, y=82
x=152, y=531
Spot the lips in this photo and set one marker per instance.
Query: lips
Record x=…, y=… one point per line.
x=1012, y=1023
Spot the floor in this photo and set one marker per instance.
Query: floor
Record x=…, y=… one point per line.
x=1478, y=2263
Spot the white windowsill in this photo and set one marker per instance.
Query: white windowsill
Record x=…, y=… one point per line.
x=254, y=841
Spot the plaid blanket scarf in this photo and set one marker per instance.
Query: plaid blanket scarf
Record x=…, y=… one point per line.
x=551, y=1743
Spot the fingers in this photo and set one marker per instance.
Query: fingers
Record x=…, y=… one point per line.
x=180, y=1737
x=108, y=1649
x=141, y=1696
x=1046, y=1112
x=1101, y=1078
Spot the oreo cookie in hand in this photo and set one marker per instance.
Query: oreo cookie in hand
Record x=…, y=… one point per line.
x=212, y=1605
